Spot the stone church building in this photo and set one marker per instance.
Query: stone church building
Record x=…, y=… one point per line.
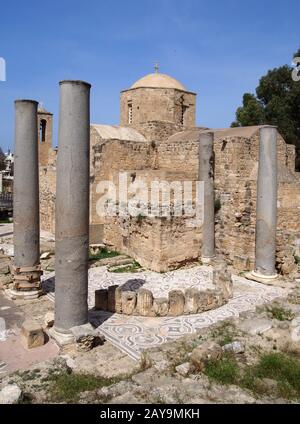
x=157, y=140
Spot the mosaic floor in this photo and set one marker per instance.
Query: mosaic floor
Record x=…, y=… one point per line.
x=134, y=334
x=159, y=284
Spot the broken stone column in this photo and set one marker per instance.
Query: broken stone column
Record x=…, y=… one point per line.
x=26, y=270
x=176, y=302
x=206, y=175
x=128, y=302
x=266, y=207
x=101, y=300
x=72, y=210
x=144, y=302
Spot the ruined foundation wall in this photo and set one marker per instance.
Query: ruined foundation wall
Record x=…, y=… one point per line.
x=162, y=244
x=47, y=198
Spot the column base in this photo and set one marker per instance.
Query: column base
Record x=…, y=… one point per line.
x=206, y=260
x=257, y=274
x=61, y=337
x=13, y=294
x=264, y=279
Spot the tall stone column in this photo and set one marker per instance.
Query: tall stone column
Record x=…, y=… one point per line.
x=206, y=175
x=26, y=270
x=72, y=209
x=266, y=207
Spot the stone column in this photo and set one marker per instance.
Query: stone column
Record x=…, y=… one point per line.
x=72, y=210
x=26, y=270
x=266, y=207
x=206, y=175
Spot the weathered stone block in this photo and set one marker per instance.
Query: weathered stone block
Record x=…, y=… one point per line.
x=191, y=301
x=241, y=263
x=32, y=334
x=114, y=301
x=101, y=300
x=207, y=351
x=128, y=302
x=206, y=300
x=161, y=306
x=176, y=303
x=10, y=394
x=49, y=319
x=144, y=302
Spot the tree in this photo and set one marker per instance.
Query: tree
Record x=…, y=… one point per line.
x=251, y=113
x=277, y=102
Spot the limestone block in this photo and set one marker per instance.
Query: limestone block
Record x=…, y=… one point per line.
x=101, y=300
x=10, y=394
x=32, y=334
x=191, y=301
x=234, y=347
x=118, y=300
x=207, y=351
x=161, y=306
x=256, y=326
x=295, y=330
x=206, y=300
x=49, y=319
x=176, y=303
x=128, y=302
x=184, y=369
x=144, y=302
x=114, y=301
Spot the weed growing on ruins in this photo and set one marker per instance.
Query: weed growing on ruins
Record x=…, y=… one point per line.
x=134, y=267
x=282, y=369
x=224, y=334
x=140, y=218
x=103, y=254
x=225, y=371
x=297, y=259
x=281, y=314
x=67, y=387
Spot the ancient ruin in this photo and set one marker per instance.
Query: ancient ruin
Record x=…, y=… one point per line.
x=158, y=141
x=161, y=230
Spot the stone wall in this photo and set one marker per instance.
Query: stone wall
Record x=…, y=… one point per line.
x=161, y=244
x=158, y=104
x=47, y=198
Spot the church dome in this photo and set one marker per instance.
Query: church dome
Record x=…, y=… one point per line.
x=158, y=80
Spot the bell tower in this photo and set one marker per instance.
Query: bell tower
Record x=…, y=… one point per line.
x=45, y=123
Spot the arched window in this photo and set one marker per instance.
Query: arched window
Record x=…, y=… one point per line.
x=43, y=125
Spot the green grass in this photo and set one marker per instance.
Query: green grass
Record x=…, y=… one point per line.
x=224, y=334
x=104, y=254
x=134, y=267
x=281, y=314
x=282, y=368
x=225, y=371
x=67, y=387
x=5, y=221
x=140, y=218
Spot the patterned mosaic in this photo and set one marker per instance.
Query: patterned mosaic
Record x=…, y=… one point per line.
x=160, y=284
x=133, y=334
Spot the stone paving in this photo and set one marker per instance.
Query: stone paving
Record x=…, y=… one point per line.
x=133, y=334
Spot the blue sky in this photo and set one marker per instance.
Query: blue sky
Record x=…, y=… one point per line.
x=218, y=49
